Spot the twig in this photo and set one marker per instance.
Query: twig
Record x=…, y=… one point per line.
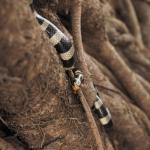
x=91, y=122
x=88, y=88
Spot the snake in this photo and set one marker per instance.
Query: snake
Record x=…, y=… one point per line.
x=65, y=50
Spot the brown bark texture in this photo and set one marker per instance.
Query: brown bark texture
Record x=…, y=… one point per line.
x=38, y=109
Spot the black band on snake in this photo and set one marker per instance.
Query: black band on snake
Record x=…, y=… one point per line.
x=65, y=49
x=59, y=41
x=102, y=112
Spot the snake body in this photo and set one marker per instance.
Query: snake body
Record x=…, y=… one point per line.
x=102, y=112
x=59, y=41
x=64, y=47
